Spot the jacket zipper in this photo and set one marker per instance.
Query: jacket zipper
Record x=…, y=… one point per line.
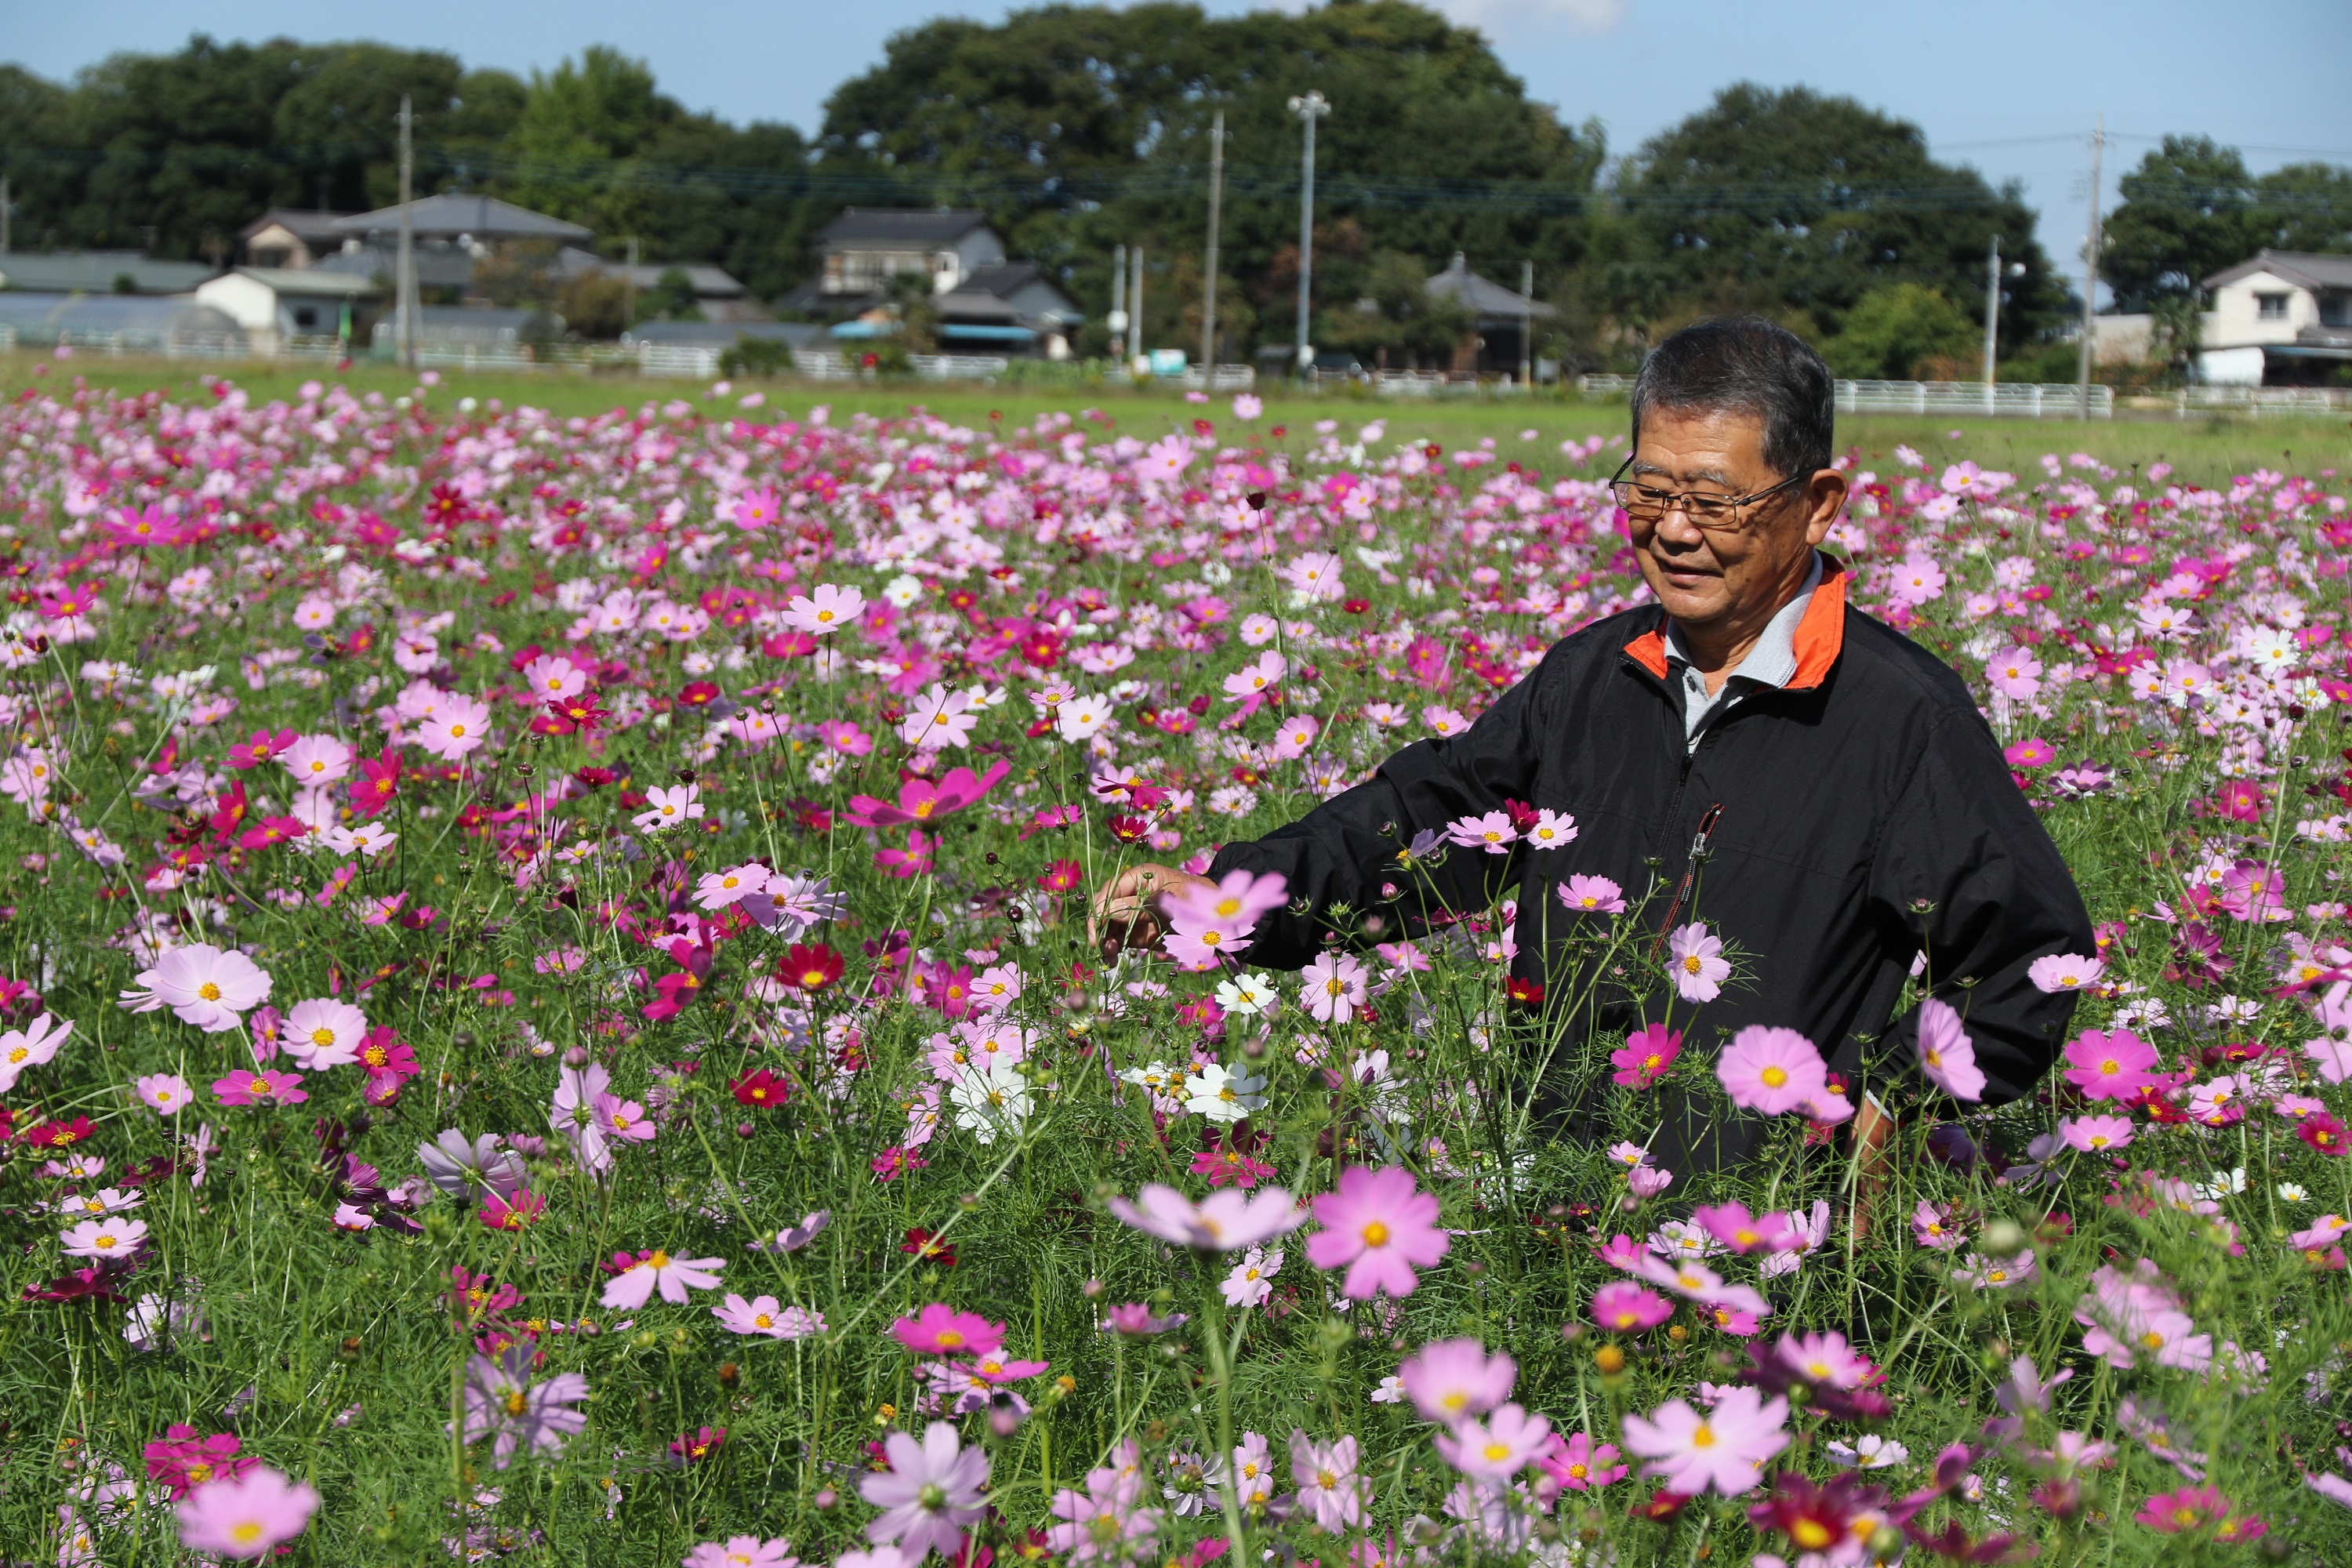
x=1707, y=823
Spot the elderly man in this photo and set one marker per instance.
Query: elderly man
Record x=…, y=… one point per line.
x=1751, y=752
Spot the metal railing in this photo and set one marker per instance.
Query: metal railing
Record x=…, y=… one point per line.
x=2013, y=400
x=2261, y=399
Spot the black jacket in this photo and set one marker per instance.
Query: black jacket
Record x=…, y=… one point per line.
x=1859, y=814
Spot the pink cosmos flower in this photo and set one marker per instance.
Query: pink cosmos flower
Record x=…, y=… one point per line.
x=246, y=1516
x=931, y=1492
x=1497, y=1448
x=673, y=807
x=622, y=1119
x=460, y=727
x=1724, y=1450
x=765, y=1315
x=2097, y=1134
x=717, y=889
x=1621, y=1307
x=322, y=1033
x=1381, y=1226
x=31, y=1046
x=2190, y=1508
x=924, y=801
x=1696, y=964
x=1932, y=1224
x=203, y=986
x=519, y=1415
x=1771, y=1070
x=825, y=610
x=1492, y=833
x=2015, y=673
x=1645, y=1056
x=1576, y=1465
x=1329, y=1487
x=941, y=1329
x=1452, y=1380
x=1228, y=1220
x=1732, y=1224
x=163, y=1092
x=2107, y=1065
x=637, y=1278
x=317, y=761
x=111, y=1236
x=259, y=1087
x=741, y=1551
x=1592, y=895
x=1948, y=1057
x=2065, y=972
x=1332, y=988
x=552, y=678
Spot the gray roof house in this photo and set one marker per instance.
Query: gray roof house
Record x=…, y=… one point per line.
x=1502, y=316
x=457, y=217
x=859, y=252
x=272, y=304
x=2280, y=317
x=284, y=236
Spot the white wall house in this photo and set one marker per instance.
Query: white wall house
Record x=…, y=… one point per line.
x=275, y=303
x=2283, y=317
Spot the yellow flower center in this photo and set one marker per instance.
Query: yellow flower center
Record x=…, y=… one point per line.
x=1376, y=1233
x=209, y=991
x=1774, y=1077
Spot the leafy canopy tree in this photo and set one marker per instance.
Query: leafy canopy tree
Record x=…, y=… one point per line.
x=1903, y=332
x=1078, y=128
x=1799, y=205
x=2191, y=208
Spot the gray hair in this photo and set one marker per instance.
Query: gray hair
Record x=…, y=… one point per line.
x=1746, y=365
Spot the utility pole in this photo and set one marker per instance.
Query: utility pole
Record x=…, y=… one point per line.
x=1117, y=319
x=1134, y=304
x=1209, y=289
x=629, y=309
x=4, y=214
x=1526, y=323
x=405, y=283
x=2090, y=278
x=1310, y=108
x=1992, y=317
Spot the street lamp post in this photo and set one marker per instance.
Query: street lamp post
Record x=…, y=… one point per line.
x=1310, y=108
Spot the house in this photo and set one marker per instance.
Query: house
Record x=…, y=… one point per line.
x=717, y=293
x=1502, y=320
x=272, y=304
x=141, y=323
x=1007, y=307
x=453, y=231
x=2281, y=318
x=464, y=327
x=285, y=238
x=100, y=272
x=862, y=250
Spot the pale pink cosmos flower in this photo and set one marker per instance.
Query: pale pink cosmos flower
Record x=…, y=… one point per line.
x=1592, y=895
x=203, y=986
x=1107, y=1520
x=1497, y=1448
x=717, y=889
x=2097, y=1134
x=1695, y=963
x=1332, y=988
x=458, y=729
x=641, y=1275
x=1492, y=833
x=1722, y=1450
x=1948, y=1057
x=931, y=1492
x=1932, y=1224
x=163, y=1092
x=1552, y=830
x=316, y=761
x=552, y=678
x=1771, y=1070
x=519, y=1415
x=31, y=1046
x=2065, y=972
x=2015, y=673
x=1296, y=735
x=741, y=1551
x=1452, y=1380
x=1329, y=1487
x=1253, y=678
x=1227, y=1220
x=940, y=718
x=765, y=1315
x=825, y=610
x=1380, y=1227
x=1251, y=1282
x=1695, y=1281
x=322, y=1033
x=672, y=808
x=106, y=1237
x=245, y=1516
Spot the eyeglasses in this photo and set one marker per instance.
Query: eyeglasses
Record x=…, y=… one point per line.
x=1717, y=514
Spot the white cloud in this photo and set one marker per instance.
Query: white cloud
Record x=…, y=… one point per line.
x=1591, y=16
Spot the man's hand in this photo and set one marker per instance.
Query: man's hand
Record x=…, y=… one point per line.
x=1132, y=911
x=1873, y=1131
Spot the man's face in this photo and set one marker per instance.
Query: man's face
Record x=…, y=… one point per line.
x=1722, y=577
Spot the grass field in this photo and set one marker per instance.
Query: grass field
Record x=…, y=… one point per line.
x=2204, y=450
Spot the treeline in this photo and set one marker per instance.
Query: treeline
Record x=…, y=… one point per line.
x=1079, y=128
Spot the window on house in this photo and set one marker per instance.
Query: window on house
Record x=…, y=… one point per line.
x=2335, y=309
x=306, y=316
x=2270, y=307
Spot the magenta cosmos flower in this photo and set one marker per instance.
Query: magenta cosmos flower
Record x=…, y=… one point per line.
x=941, y=1329
x=1771, y=1070
x=203, y=986
x=259, y=1087
x=1645, y=1056
x=1380, y=1227
x=1724, y=1448
x=247, y=1515
x=1228, y=1220
x=932, y=1492
x=2110, y=1065
x=1452, y=1380
x=1622, y=1307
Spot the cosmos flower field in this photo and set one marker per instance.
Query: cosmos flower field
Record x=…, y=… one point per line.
x=550, y=1017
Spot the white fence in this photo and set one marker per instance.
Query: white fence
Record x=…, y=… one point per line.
x=2014, y=400
x=2262, y=400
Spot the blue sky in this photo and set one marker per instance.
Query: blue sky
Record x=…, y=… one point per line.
x=2010, y=85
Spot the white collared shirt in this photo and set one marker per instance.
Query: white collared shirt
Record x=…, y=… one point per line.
x=1770, y=665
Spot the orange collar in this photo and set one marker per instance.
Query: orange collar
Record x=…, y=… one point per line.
x=1821, y=633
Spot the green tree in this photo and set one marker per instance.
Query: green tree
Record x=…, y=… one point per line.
x=1799, y=205
x=2304, y=207
x=1898, y=332
x=1396, y=322
x=2186, y=213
